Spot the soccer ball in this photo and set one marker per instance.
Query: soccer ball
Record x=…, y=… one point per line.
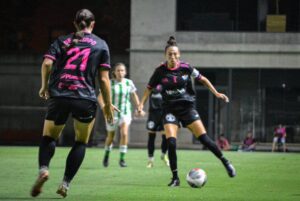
x=196, y=178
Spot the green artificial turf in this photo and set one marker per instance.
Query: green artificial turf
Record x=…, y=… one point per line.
x=260, y=176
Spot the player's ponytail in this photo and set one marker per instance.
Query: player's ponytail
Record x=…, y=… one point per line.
x=171, y=42
x=83, y=20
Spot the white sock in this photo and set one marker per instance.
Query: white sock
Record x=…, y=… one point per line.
x=123, y=148
x=151, y=159
x=108, y=148
x=43, y=169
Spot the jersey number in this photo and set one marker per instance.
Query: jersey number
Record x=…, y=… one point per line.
x=76, y=54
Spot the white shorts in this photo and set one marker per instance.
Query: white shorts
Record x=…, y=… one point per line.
x=118, y=121
x=282, y=140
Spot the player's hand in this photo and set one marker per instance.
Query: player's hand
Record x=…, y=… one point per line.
x=139, y=113
x=44, y=93
x=108, y=111
x=115, y=108
x=140, y=108
x=223, y=97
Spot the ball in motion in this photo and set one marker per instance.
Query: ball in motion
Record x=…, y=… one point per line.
x=196, y=178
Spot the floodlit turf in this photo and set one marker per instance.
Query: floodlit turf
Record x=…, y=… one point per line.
x=260, y=177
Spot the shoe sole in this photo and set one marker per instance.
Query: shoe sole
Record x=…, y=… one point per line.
x=37, y=187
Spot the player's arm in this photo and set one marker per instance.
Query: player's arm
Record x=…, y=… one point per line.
x=153, y=82
x=104, y=82
x=209, y=85
x=284, y=134
x=100, y=100
x=136, y=101
x=45, y=74
x=101, y=103
x=147, y=92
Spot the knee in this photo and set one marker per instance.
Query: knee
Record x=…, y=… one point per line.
x=123, y=135
x=171, y=142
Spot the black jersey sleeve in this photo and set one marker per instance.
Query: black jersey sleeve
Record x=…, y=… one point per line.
x=154, y=80
x=105, y=58
x=54, y=51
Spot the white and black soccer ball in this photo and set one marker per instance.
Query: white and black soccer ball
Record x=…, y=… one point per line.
x=196, y=178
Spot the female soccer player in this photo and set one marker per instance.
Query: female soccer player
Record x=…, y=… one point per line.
x=68, y=84
x=122, y=90
x=154, y=124
x=178, y=105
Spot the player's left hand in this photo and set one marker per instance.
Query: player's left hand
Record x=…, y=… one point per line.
x=223, y=97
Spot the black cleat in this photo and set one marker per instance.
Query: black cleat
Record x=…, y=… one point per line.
x=105, y=161
x=122, y=163
x=174, y=182
x=230, y=169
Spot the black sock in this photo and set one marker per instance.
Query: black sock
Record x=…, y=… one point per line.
x=151, y=144
x=172, y=156
x=211, y=145
x=164, y=146
x=46, y=150
x=74, y=160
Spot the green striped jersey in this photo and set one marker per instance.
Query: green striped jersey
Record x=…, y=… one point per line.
x=121, y=92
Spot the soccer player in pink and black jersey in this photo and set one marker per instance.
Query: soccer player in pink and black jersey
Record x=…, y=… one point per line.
x=69, y=70
x=178, y=105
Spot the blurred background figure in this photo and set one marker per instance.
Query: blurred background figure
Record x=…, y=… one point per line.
x=279, y=138
x=249, y=143
x=155, y=124
x=223, y=143
x=123, y=92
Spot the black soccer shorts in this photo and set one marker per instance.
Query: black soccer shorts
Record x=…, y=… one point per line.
x=180, y=116
x=155, y=121
x=59, y=109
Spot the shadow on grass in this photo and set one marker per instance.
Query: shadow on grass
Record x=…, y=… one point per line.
x=29, y=198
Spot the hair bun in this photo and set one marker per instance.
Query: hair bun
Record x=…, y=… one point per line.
x=172, y=41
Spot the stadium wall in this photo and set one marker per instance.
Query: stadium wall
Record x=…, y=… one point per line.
x=152, y=22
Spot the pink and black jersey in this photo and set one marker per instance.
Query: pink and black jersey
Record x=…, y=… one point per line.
x=280, y=131
x=74, y=70
x=155, y=99
x=176, y=84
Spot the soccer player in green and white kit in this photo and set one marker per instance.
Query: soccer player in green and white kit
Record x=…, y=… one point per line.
x=122, y=90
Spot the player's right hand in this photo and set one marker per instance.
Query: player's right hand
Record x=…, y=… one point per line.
x=108, y=111
x=140, y=108
x=44, y=93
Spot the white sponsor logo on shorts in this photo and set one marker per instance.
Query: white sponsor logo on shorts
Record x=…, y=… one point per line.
x=151, y=124
x=170, y=117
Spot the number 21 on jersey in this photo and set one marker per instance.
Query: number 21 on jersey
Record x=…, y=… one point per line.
x=76, y=52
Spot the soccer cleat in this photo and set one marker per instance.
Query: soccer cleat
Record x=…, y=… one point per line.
x=165, y=158
x=105, y=161
x=150, y=164
x=122, y=163
x=230, y=169
x=37, y=187
x=174, y=182
x=62, y=190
